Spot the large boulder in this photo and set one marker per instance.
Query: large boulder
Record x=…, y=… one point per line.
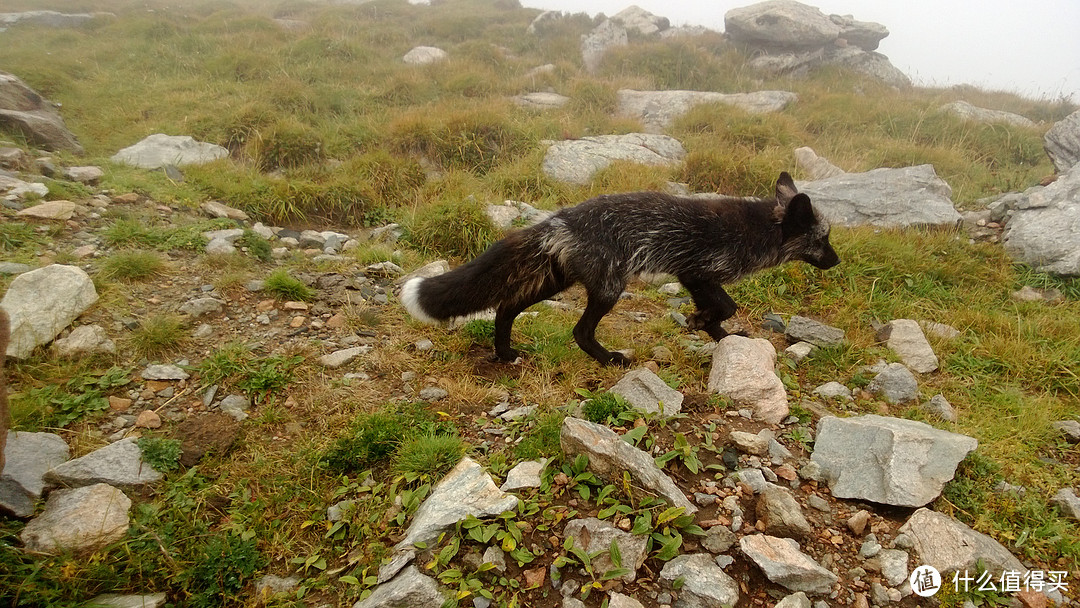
x=42, y=302
x=637, y=18
x=25, y=112
x=27, y=457
x=596, y=43
x=658, y=109
x=780, y=25
x=118, y=464
x=46, y=19
x=886, y=460
x=1044, y=232
x=889, y=198
x=79, y=519
x=949, y=545
x=1062, y=142
x=576, y=160
x=158, y=150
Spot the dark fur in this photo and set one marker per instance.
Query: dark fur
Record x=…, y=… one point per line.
x=5, y=334
x=604, y=242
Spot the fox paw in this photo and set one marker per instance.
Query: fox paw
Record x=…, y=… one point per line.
x=622, y=358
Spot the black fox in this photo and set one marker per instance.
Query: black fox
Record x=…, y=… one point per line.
x=604, y=242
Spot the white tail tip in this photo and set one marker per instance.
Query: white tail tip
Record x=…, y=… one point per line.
x=410, y=298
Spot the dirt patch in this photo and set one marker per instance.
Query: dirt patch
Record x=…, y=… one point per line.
x=201, y=435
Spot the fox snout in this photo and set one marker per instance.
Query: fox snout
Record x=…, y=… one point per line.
x=826, y=259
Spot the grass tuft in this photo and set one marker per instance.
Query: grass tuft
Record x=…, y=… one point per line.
x=283, y=285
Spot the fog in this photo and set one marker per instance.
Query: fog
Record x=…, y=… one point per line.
x=1031, y=48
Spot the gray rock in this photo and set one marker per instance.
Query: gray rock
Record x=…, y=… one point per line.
x=753, y=478
x=220, y=209
x=337, y=512
x=46, y=19
x=803, y=329
x=657, y=110
x=894, y=566
x=575, y=161
x=636, y=18
x=795, y=600
x=1069, y=429
x=940, y=407
x=344, y=356
x=14, y=268
x=799, y=351
x=541, y=100
x=645, y=392
x=905, y=338
x=1044, y=231
x=815, y=166
x=269, y=585
x=425, y=55
x=433, y=269
x=164, y=372
x=118, y=464
x=236, y=406
x=618, y=600
x=833, y=390
x=78, y=519
x=84, y=175
x=887, y=460
x=781, y=513
x=948, y=545
x=966, y=111
x=704, y=583
x=718, y=539
x=84, y=340
x=743, y=370
x=42, y=302
x=52, y=210
x=433, y=393
x=1067, y=501
x=895, y=384
x=780, y=25
x=595, y=535
x=609, y=456
x=864, y=34
x=220, y=247
x=889, y=198
x=596, y=43
x=523, y=475
x=408, y=589
x=1062, y=142
x=113, y=600
x=199, y=307
x=28, y=456
x=495, y=556
x=24, y=111
x=801, y=64
x=749, y=443
x=785, y=564
x=158, y=150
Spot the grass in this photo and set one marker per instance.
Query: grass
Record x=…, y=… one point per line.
x=132, y=266
x=283, y=285
x=158, y=335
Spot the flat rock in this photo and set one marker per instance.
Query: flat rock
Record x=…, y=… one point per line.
x=52, y=210
x=114, y=600
x=749, y=443
x=948, y=545
x=78, y=519
x=1066, y=500
x=804, y=329
x=785, y=564
x=940, y=407
x=966, y=111
x=905, y=338
x=1044, y=231
x=645, y=392
x=887, y=460
x=815, y=167
x=84, y=340
x=704, y=584
x=645, y=23
x=24, y=111
x=781, y=513
x=158, y=150
x=888, y=198
x=609, y=456
x=344, y=356
x=523, y=475
x=85, y=174
x=596, y=535
x=220, y=209
x=164, y=372
x=409, y=589
x=895, y=384
x=743, y=370
x=200, y=307
x=618, y=600
x=541, y=100
x=575, y=161
x=118, y=464
x=27, y=457
x=1069, y=429
x=779, y=25
x=425, y=55
x=657, y=110
x=1062, y=142
x=42, y=302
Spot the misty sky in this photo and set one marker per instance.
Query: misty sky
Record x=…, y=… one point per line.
x=1028, y=47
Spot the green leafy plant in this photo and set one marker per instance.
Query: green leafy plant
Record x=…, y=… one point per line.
x=160, y=453
x=605, y=408
x=255, y=244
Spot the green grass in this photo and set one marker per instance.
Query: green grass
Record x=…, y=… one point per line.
x=132, y=266
x=158, y=335
x=429, y=456
x=283, y=285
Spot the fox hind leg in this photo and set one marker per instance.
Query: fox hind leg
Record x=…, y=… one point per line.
x=601, y=301
x=505, y=316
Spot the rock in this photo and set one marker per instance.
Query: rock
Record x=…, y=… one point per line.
x=864, y=34
x=645, y=392
x=425, y=55
x=164, y=372
x=269, y=585
x=113, y=600
x=795, y=600
x=25, y=112
x=636, y=18
x=15, y=190
x=1062, y=142
x=118, y=464
x=344, y=356
x=803, y=329
x=11, y=268
x=42, y=302
x=802, y=64
x=704, y=584
x=433, y=393
x=780, y=25
x=408, y=589
x=781, y=513
x=753, y=478
x=46, y=19
x=220, y=209
x=894, y=566
x=575, y=161
x=618, y=600
x=657, y=110
x=51, y=210
x=887, y=460
x=596, y=43
x=815, y=166
x=541, y=100
x=895, y=384
x=799, y=351
x=84, y=175
x=158, y=150
x=1069, y=429
x=966, y=111
x=785, y=564
x=948, y=545
x=236, y=406
x=1067, y=502
x=833, y=390
x=83, y=341
x=202, y=306
x=220, y=247
x=609, y=456
x=905, y=338
x=939, y=330
x=1044, y=231
x=889, y=198
x=79, y=519
x=433, y=269
x=749, y=443
x=857, y=522
x=27, y=457
x=524, y=475
x=148, y=419
x=595, y=535
x=718, y=539
x=940, y=407
x=466, y=490
x=200, y=435
x=743, y=370
x=1027, y=293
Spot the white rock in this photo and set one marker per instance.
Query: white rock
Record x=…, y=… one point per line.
x=743, y=370
x=158, y=150
x=78, y=519
x=42, y=302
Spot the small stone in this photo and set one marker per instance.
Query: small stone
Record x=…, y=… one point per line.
x=433, y=393
x=940, y=407
x=148, y=419
x=819, y=503
x=857, y=522
x=718, y=539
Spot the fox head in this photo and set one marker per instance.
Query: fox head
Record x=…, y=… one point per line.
x=805, y=232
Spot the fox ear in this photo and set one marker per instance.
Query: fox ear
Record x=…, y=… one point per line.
x=785, y=189
x=799, y=215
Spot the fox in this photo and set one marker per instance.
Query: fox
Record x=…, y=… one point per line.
x=706, y=241
x=5, y=335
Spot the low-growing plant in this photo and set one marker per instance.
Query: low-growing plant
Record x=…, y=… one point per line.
x=542, y=440
x=223, y=565
x=457, y=228
x=16, y=235
x=160, y=453
x=255, y=244
x=283, y=285
x=132, y=265
x=428, y=456
x=63, y=402
x=158, y=335
x=374, y=437
x=605, y=407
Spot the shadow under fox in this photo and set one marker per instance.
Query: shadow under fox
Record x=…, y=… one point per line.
x=606, y=241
